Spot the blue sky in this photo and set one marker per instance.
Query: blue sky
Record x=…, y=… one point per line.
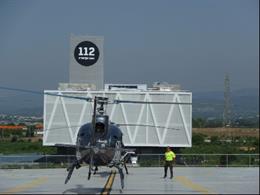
x=191, y=43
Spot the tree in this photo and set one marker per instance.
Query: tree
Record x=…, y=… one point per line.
x=198, y=122
x=214, y=140
x=30, y=131
x=198, y=139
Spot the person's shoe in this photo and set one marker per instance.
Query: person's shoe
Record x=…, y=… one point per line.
x=164, y=176
x=171, y=177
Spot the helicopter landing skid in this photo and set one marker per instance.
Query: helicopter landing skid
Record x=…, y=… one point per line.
x=70, y=169
x=122, y=176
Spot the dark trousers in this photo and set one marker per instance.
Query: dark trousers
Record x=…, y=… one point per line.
x=168, y=164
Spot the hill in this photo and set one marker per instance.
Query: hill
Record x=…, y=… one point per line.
x=228, y=132
x=244, y=103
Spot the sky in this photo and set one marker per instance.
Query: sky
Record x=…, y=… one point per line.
x=191, y=43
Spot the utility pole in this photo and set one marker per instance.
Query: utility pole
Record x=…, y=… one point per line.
x=227, y=107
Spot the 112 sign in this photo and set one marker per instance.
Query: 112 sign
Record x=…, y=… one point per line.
x=86, y=53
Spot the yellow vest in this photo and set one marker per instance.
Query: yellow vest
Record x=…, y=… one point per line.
x=169, y=156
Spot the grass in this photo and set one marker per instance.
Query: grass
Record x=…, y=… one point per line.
x=7, y=147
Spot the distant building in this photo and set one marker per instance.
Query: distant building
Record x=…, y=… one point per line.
x=76, y=87
x=86, y=60
x=164, y=86
x=123, y=87
x=13, y=127
x=39, y=129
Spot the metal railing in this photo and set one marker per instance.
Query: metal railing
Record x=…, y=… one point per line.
x=143, y=160
x=202, y=160
x=35, y=161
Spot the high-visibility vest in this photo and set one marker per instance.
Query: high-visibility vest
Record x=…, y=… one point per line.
x=169, y=156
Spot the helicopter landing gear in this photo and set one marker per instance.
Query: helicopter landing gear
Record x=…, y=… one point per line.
x=120, y=170
x=95, y=170
x=89, y=175
x=70, y=169
x=126, y=170
x=90, y=165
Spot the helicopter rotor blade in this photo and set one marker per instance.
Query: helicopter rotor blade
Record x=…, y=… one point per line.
x=21, y=90
x=89, y=99
x=145, y=125
x=146, y=102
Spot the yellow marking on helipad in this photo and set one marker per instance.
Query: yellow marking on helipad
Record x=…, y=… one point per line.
x=26, y=186
x=188, y=183
x=109, y=183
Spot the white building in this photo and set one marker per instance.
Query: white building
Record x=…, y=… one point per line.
x=152, y=125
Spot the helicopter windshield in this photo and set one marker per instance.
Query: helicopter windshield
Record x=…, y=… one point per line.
x=100, y=128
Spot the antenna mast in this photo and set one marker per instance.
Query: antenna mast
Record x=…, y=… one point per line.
x=227, y=107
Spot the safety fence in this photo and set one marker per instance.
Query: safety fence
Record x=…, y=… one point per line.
x=202, y=160
x=142, y=160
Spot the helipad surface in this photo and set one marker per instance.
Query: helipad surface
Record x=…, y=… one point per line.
x=187, y=180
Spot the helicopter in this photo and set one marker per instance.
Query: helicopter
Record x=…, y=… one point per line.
x=99, y=142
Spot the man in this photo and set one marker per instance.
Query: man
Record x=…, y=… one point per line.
x=169, y=158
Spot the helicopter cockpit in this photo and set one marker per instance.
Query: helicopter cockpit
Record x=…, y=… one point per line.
x=101, y=125
x=100, y=128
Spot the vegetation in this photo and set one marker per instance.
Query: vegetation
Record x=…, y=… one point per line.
x=214, y=150
x=202, y=144
x=251, y=122
x=17, y=140
x=21, y=147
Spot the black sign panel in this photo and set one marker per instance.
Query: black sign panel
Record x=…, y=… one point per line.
x=86, y=53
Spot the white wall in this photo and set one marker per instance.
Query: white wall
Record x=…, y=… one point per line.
x=169, y=124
